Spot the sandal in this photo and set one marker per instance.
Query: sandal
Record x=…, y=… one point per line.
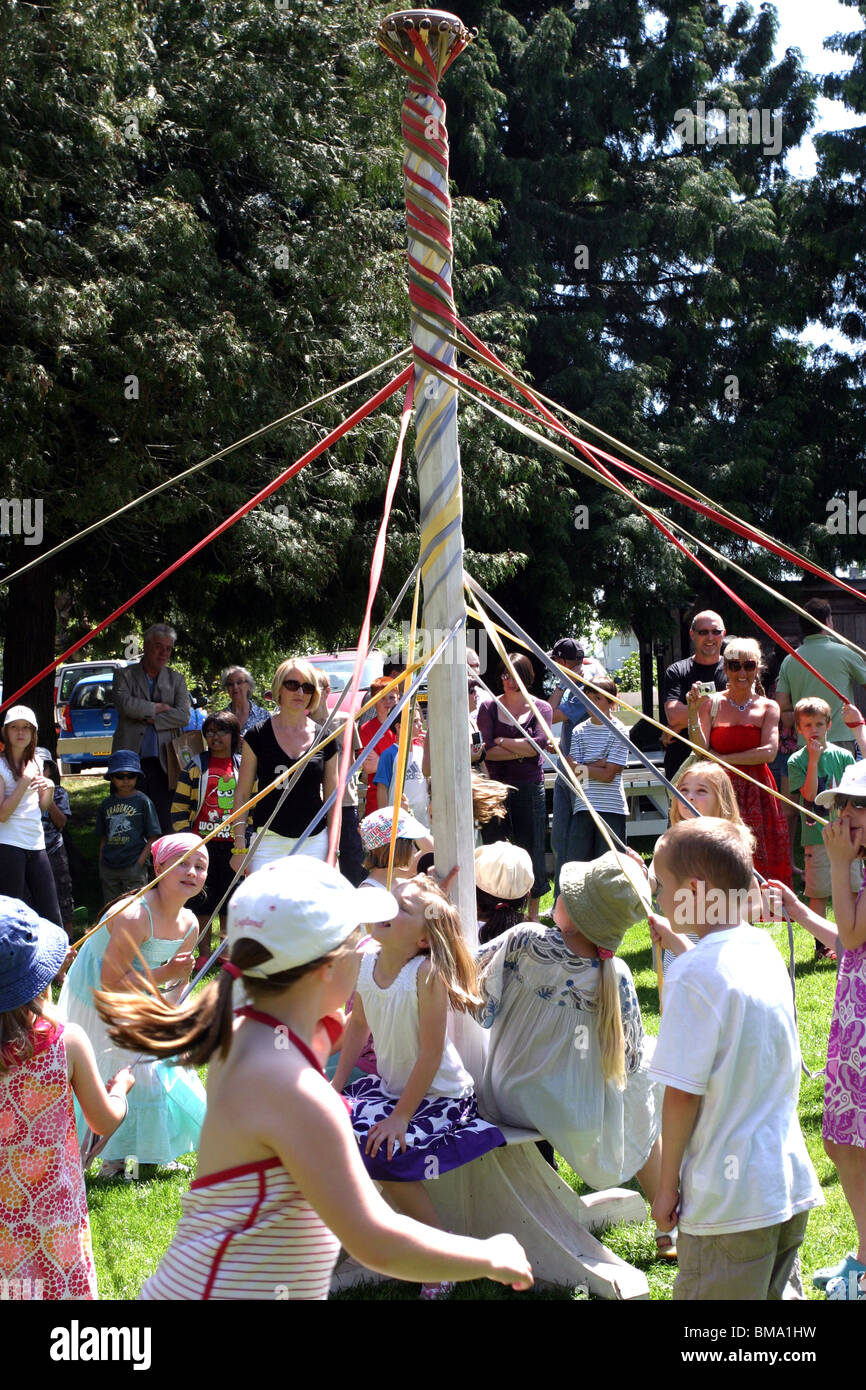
x=842, y=1289
x=821, y=1278
x=666, y=1244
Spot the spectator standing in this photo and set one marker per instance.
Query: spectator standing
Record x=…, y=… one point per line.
x=506, y=740
x=374, y=740
x=841, y=667
x=153, y=707
x=54, y=820
x=238, y=683
x=707, y=634
x=127, y=825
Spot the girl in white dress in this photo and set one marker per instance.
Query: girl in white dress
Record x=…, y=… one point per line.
x=568, y=1055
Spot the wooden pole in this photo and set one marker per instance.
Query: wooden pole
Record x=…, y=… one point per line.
x=424, y=43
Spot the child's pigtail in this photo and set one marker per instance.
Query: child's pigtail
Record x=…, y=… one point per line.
x=145, y=1022
x=610, y=1031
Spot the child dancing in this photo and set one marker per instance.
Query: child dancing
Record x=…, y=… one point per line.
x=280, y=1183
x=45, y=1249
x=418, y=1118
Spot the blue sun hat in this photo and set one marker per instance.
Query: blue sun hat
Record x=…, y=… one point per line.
x=124, y=760
x=32, y=950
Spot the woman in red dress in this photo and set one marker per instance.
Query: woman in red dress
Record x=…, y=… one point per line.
x=741, y=726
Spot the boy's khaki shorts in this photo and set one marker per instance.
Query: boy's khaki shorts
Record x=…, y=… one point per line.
x=750, y=1266
x=817, y=864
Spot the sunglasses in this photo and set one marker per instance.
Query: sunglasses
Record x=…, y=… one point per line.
x=216, y=731
x=741, y=665
x=293, y=685
x=710, y=631
x=125, y=776
x=851, y=803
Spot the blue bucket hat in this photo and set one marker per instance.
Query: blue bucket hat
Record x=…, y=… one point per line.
x=124, y=760
x=32, y=951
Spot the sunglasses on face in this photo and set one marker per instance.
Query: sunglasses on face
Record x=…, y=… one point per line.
x=216, y=731
x=293, y=685
x=851, y=803
x=742, y=665
x=710, y=631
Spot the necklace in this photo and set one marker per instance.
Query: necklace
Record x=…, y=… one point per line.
x=742, y=708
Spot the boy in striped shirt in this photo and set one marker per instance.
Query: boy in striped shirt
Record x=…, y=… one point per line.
x=604, y=755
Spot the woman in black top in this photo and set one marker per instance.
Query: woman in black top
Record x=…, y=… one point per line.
x=274, y=746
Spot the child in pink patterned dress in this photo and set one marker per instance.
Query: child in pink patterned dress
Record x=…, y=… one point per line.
x=844, y=1127
x=45, y=1250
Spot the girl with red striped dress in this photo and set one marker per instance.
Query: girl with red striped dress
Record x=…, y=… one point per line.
x=280, y=1183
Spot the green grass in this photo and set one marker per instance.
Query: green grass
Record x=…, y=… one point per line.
x=132, y=1224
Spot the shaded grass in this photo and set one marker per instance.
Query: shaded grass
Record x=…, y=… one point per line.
x=133, y=1223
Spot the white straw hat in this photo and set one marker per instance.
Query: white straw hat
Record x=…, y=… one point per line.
x=300, y=908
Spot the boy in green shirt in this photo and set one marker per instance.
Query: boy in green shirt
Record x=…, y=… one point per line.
x=814, y=768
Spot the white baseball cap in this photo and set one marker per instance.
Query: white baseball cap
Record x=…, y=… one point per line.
x=853, y=783
x=22, y=712
x=300, y=908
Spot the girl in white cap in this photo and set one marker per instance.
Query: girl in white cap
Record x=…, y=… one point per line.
x=25, y=793
x=568, y=1055
x=280, y=1182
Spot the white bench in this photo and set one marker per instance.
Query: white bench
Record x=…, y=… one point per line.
x=513, y=1189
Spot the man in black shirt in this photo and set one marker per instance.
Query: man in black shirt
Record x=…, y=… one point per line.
x=707, y=633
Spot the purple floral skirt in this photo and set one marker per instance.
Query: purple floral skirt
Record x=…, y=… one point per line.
x=445, y=1132
x=845, y=1077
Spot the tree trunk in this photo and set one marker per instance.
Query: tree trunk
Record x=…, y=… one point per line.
x=31, y=621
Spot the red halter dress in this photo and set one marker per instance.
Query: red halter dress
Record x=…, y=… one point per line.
x=762, y=813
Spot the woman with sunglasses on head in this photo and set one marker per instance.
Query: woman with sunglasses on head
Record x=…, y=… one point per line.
x=203, y=800
x=741, y=726
x=273, y=747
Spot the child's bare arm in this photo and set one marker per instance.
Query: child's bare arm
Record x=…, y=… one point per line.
x=356, y=1034
x=432, y=1018
x=775, y=894
x=857, y=724
x=103, y=1108
x=850, y=917
x=679, y=1113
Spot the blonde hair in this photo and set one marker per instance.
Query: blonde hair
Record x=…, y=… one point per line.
x=488, y=799
x=722, y=787
x=404, y=853
x=746, y=649
x=450, y=957
x=610, y=1033
x=306, y=672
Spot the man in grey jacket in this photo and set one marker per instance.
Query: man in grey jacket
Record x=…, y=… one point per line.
x=153, y=706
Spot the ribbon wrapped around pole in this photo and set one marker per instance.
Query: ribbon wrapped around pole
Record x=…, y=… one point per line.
x=424, y=43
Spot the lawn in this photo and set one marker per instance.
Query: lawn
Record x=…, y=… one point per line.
x=132, y=1223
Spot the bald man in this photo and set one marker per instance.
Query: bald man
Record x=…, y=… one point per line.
x=707, y=633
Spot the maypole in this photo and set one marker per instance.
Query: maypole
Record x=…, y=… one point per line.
x=424, y=43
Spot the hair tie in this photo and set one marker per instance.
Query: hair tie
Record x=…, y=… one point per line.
x=231, y=969
x=502, y=906
x=604, y=953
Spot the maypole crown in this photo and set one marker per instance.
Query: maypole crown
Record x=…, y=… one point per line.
x=443, y=35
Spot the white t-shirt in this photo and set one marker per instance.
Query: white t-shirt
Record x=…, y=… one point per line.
x=728, y=1034
x=24, y=828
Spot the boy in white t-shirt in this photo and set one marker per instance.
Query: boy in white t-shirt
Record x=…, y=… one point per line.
x=735, y=1171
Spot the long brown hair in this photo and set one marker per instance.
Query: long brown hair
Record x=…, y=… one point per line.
x=143, y=1021
x=27, y=756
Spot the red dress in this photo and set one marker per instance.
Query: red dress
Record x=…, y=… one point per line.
x=762, y=813
x=45, y=1250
